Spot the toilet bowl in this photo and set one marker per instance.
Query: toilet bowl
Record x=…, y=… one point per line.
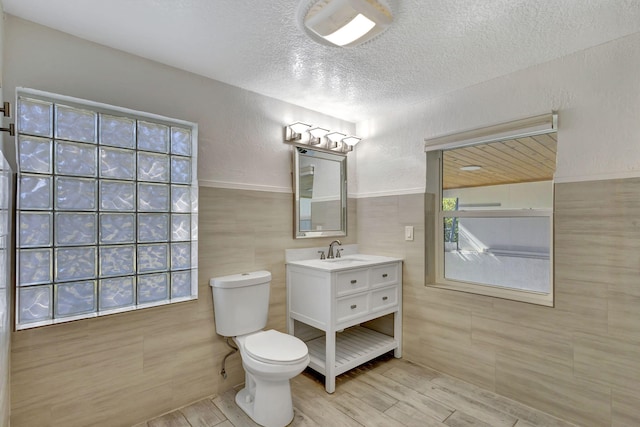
x=270, y=359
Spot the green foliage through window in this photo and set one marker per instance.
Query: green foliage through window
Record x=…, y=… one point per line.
x=450, y=224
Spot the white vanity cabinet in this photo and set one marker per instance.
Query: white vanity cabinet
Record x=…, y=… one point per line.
x=336, y=296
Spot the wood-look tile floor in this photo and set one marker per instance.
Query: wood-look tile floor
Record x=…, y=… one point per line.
x=384, y=392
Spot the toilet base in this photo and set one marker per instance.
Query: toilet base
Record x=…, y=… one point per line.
x=268, y=403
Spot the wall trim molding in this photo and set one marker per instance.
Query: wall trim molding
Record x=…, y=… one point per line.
x=406, y=191
x=400, y=192
x=597, y=177
x=243, y=186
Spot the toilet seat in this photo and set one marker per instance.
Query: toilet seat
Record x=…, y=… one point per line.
x=275, y=348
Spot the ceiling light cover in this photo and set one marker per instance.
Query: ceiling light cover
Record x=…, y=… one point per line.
x=293, y=132
x=335, y=136
x=347, y=23
x=471, y=168
x=299, y=127
x=318, y=132
x=316, y=135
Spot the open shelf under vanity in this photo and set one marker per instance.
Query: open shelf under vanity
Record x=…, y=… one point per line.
x=354, y=346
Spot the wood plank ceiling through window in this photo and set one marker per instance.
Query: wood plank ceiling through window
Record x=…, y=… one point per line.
x=512, y=161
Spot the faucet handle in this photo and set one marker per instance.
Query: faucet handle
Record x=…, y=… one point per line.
x=338, y=252
x=321, y=254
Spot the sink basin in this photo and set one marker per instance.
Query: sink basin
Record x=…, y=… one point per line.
x=346, y=262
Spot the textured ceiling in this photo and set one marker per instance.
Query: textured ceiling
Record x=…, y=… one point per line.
x=433, y=46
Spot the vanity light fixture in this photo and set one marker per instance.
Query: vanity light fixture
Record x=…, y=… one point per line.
x=316, y=135
x=351, y=140
x=294, y=131
x=345, y=23
x=322, y=139
x=333, y=139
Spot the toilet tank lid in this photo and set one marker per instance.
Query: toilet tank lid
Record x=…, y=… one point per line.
x=241, y=279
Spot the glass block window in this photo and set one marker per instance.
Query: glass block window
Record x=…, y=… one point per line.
x=106, y=211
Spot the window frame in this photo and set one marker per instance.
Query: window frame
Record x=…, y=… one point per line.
x=434, y=151
x=192, y=185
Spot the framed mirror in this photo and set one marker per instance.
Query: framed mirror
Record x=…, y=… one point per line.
x=320, y=194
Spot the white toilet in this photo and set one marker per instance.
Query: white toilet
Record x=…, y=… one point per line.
x=270, y=358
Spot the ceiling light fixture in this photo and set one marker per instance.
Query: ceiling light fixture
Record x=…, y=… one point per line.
x=470, y=168
x=345, y=23
x=317, y=138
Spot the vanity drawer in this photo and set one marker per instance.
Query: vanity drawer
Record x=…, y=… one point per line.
x=351, y=281
x=384, y=275
x=352, y=306
x=384, y=298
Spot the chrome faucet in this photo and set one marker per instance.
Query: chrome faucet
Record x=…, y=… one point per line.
x=330, y=254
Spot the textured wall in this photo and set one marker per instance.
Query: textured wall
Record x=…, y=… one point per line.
x=239, y=132
x=595, y=92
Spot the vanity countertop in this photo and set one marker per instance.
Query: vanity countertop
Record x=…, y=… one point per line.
x=344, y=263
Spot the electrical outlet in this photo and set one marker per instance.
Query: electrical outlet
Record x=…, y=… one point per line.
x=408, y=232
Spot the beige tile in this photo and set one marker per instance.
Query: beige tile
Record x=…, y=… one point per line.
x=382, y=392
x=203, y=414
x=302, y=420
x=549, y=385
x=411, y=208
x=403, y=387
x=460, y=419
x=624, y=316
x=453, y=399
x=320, y=409
x=362, y=412
x=172, y=419
x=525, y=414
x=505, y=335
x=471, y=362
x=610, y=361
x=577, y=308
x=625, y=408
x=226, y=404
x=407, y=415
x=34, y=415
x=369, y=395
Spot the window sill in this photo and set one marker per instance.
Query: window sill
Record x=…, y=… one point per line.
x=497, y=292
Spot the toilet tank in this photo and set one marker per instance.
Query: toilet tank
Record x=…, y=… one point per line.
x=241, y=302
